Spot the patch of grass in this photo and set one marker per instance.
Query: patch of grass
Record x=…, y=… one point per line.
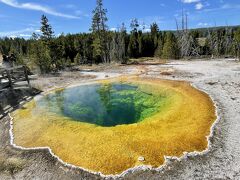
x=11, y=165
x=147, y=60
x=140, y=60
x=166, y=73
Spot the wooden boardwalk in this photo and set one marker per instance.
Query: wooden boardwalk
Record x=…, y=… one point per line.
x=14, y=77
x=15, y=89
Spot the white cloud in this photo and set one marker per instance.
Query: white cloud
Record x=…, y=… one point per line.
x=199, y=6
x=70, y=6
x=13, y=36
x=113, y=29
x=198, y=3
x=147, y=30
x=18, y=33
x=224, y=7
x=150, y=19
x=80, y=13
x=25, y=35
x=230, y=6
x=37, y=7
x=203, y=24
x=190, y=1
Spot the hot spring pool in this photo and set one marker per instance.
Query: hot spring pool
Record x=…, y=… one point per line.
x=104, y=105
x=106, y=126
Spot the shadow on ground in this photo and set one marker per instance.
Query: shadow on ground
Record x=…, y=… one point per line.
x=11, y=99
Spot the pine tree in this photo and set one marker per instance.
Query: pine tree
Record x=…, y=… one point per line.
x=97, y=50
x=56, y=52
x=147, y=45
x=237, y=42
x=47, y=54
x=134, y=25
x=118, y=50
x=140, y=43
x=39, y=55
x=154, y=29
x=78, y=59
x=159, y=49
x=133, y=46
x=122, y=44
x=170, y=50
x=100, y=32
x=35, y=36
x=46, y=29
x=154, y=33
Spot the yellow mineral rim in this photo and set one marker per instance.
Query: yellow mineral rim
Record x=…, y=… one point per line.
x=181, y=126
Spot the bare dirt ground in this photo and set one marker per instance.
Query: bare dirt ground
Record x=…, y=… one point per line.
x=219, y=78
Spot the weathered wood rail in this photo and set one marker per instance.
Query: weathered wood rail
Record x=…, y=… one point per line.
x=14, y=77
x=15, y=89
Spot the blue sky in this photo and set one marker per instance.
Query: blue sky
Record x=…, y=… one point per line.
x=22, y=17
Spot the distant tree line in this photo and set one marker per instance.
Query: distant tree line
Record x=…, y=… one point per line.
x=51, y=53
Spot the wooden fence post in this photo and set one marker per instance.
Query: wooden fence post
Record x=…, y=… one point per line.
x=26, y=75
x=9, y=78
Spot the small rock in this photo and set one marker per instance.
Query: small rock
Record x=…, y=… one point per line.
x=212, y=83
x=166, y=73
x=106, y=76
x=141, y=158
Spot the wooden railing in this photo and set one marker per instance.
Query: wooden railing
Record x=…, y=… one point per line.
x=14, y=77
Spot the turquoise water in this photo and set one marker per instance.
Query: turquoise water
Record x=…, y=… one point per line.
x=103, y=104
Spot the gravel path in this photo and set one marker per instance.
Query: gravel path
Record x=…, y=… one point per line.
x=220, y=79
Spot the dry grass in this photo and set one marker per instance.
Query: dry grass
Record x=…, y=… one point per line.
x=148, y=60
x=167, y=71
x=11, y=165
x=61, y=80
x=182, y=126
